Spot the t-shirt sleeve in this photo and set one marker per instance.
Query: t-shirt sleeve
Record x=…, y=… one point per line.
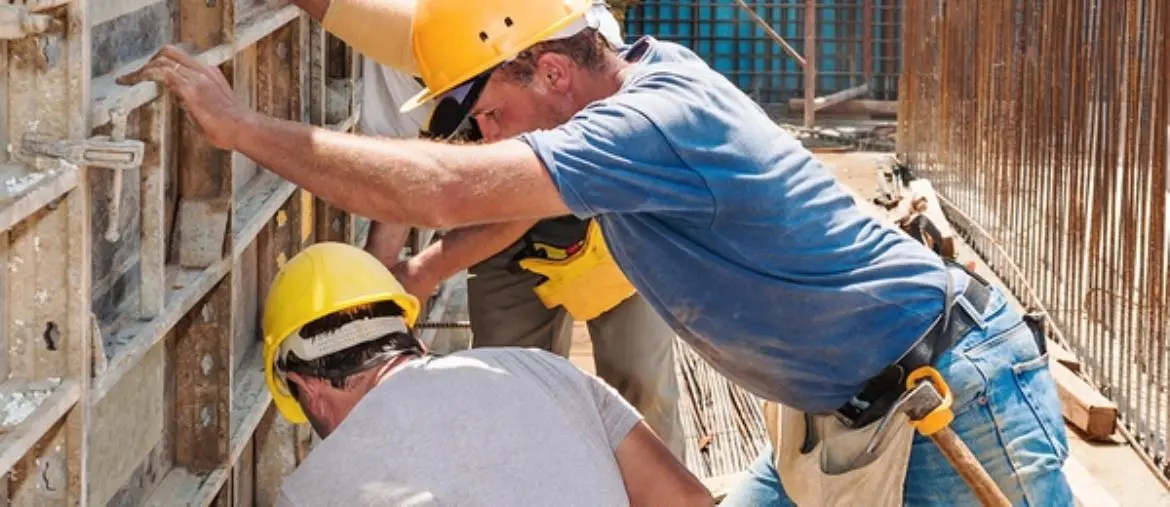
x=617, y=415
x=613, y=158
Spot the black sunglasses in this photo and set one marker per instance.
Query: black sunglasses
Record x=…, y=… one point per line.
x=451, y=119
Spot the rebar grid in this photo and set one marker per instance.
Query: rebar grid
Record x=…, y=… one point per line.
x=1046, y=124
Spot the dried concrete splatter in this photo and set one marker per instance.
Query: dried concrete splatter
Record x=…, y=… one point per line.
x=17, y=406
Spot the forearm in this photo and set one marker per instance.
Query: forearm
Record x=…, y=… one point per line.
x=653, y=476
x=468, y=246
x=386, y=241
x=412, y=182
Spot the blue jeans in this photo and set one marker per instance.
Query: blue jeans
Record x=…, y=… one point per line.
x=1006, y=410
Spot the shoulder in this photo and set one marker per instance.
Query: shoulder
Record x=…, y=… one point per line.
x=518, y=360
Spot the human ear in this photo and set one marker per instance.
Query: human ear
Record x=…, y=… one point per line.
x=552, y=70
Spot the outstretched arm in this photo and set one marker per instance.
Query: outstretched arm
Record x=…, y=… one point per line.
x=456, y=251
x=414, y=182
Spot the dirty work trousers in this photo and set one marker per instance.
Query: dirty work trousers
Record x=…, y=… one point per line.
x=632, y=346
x=1006, y=410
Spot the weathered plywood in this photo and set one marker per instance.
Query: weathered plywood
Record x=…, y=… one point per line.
x=154, y=127
x=127, y=426
x=177, y=290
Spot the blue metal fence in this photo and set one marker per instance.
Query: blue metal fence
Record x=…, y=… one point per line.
x=725, y=35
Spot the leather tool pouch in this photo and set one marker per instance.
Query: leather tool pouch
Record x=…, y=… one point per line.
x=823, y=463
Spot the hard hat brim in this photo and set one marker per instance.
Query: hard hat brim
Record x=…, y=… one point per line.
x=427, y=94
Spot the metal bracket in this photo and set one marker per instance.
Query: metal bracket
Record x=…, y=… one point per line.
x=113, y=152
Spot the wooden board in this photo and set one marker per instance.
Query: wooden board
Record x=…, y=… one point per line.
x=1084, y=406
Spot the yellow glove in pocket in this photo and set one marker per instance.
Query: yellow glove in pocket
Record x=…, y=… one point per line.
x=587, y=283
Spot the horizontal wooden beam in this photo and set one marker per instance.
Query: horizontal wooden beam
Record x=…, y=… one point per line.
x=263, y=196
x=833, y=99
x=109, y=96
x=26, y=190
x=862, y=107
x=1083, y=406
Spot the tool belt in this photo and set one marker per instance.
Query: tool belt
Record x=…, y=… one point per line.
x=579, y=275
x=881, y=391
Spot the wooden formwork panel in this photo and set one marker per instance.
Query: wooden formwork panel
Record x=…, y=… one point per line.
x=131, y=292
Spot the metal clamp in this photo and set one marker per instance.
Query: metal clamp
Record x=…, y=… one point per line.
x=113, y=152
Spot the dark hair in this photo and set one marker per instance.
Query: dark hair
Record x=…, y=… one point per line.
x=586, y=48
x=338, y=367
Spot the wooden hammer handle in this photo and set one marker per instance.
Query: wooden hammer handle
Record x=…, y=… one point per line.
x=986, y=490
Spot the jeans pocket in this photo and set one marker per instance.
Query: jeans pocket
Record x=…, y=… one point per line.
x=1036, y=384
x=1022, y=408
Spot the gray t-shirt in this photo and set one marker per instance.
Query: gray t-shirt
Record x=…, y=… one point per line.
x=485, y=427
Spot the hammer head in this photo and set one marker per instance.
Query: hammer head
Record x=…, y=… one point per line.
x=921, y=400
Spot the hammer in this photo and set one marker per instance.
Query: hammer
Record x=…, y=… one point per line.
x=930, y=412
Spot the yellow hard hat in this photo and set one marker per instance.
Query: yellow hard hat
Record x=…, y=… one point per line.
x=320, y=280
x=456, y=40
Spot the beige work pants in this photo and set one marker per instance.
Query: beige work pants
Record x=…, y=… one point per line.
x=633, y=348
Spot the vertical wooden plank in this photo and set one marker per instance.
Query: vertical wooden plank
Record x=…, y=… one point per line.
x=275, y=86
x=202, y=363
x=154, y=128
x=317, y=73
x=47, y=92
x=245, y=83
x=246, y=305
x=810, y=62
x=867, y=41
x=202, y=352
x=205, y=173
x=332, y=223
x=244, y=478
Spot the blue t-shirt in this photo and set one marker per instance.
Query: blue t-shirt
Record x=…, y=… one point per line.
x=737, y=236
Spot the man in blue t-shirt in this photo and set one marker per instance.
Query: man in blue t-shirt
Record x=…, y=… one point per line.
x=732, y=231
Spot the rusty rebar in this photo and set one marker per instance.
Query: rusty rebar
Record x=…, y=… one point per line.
x=1046, y=124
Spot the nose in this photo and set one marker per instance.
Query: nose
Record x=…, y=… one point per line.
x=488, y=128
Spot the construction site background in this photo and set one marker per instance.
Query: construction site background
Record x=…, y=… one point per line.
x=133, y=280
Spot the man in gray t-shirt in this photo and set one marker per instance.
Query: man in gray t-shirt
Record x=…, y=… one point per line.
x=486, y=427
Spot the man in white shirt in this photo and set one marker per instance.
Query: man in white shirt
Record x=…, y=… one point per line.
x=485, y=427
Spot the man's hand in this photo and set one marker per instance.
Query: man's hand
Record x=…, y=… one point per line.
x=202, y=91
x=416, y=278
